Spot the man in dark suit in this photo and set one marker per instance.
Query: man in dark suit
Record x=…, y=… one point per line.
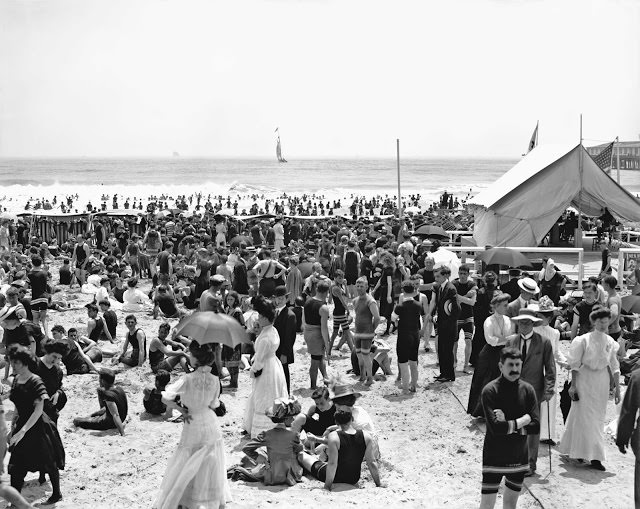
x=629, y=429
x=285, y=324
x=538, y=369
x=240, y=281
x=448, y=311
x=511, y=287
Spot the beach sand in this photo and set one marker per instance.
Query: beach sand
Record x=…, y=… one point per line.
x=431, y=449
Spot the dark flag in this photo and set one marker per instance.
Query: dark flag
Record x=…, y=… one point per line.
x=603, y=159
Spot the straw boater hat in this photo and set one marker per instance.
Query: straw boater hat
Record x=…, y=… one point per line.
x=544, y=306
x=528, y=314
x=528, y=285
x=341, y=390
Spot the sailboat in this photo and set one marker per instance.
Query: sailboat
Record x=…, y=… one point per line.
x=279, y=149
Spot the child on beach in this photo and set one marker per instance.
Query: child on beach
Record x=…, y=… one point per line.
x=153, y=395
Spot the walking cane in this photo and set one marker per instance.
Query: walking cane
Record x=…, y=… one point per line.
x=549, y=431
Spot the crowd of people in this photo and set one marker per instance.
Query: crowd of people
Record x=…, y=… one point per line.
x=362, y=280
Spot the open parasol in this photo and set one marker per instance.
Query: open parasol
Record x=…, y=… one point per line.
x=429, y=230
x=209, y=327
x=240, y=239
x=631, y=304
x=504, y=256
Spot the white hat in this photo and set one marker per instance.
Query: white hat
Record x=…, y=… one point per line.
x=528, y=285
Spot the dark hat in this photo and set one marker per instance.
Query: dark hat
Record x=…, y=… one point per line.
x=280, y=291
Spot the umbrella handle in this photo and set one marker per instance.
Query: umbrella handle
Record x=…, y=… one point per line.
x=549, y=431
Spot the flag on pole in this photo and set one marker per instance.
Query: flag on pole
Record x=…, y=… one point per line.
x=603, y=159
x=534, y=139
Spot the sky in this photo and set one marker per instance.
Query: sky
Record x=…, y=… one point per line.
x=340, y=78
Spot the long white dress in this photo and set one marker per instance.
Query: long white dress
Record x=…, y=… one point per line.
x=553, y=335
x=196, y=476
x=590, y=354
x=270, y=385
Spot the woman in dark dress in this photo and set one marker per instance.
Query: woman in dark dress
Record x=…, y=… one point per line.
x=231, y=356
x=48, y=369
x=35, y=444
x=482, y=311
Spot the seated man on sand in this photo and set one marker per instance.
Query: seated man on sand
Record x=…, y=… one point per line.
x=138, y=341
x=347, y=447
x=96, y=327
x=164, y=303
x=161, y=357
x=320, y=415
x=113, y=406
x=80, y=355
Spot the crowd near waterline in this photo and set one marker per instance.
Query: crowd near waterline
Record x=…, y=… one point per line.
x=359, y=283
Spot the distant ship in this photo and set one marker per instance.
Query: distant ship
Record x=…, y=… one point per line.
x=175, y=154
x=279, y=149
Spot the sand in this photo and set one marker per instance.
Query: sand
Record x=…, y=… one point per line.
x=431, y=449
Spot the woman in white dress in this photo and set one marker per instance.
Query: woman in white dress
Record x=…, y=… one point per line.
x=497, y=331
x=593, y=363
x=196, y=476
x=134, y=299
x=545, y=311
x=269, y=382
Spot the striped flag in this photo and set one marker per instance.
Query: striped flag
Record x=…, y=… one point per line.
x=603, y=159
x=534, y=139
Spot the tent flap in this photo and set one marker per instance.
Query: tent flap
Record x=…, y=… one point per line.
x=522, y=205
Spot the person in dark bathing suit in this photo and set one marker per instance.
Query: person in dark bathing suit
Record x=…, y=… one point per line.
x=346, y=450
x=152, y=400
x=137, y=339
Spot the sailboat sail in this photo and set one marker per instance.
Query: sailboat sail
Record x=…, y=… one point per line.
x=279, y=151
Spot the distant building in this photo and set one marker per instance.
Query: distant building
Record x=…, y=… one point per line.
x=629, y=154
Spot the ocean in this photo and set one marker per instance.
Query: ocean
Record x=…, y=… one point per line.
x=21, y=179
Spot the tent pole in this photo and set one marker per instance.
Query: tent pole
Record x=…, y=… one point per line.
x=399, y=195
x=578, y=233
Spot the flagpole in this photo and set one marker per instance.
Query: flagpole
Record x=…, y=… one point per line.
x=618, y=158
x=399, y=194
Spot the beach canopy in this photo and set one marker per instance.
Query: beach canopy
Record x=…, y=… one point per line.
x=520, y=207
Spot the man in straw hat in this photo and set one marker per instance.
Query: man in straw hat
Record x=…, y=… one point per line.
x=528, y=290
x=538, y=369
x=511, y=411
x=347, y=445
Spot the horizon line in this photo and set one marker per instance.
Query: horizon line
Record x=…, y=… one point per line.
x=259, y=158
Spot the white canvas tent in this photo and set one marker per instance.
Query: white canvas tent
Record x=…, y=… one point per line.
x=520, y=207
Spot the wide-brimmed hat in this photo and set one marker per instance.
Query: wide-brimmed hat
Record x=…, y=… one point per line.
x=341, y=390
x=528, y=314
x=544, y=306
x=283, y=408
x=528, y=285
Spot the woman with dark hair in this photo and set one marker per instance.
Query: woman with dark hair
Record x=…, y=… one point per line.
x=482, y=311
x=231, y=356
x=269, y=382
x=48, y=369
x=196, y=475
x=35, y=443
x=594, y=369
x=497, y=331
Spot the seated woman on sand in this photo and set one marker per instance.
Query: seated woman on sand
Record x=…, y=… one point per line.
x=134, y=299
x=273, y=453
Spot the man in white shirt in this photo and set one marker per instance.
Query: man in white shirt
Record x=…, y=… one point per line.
x=278, y=229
